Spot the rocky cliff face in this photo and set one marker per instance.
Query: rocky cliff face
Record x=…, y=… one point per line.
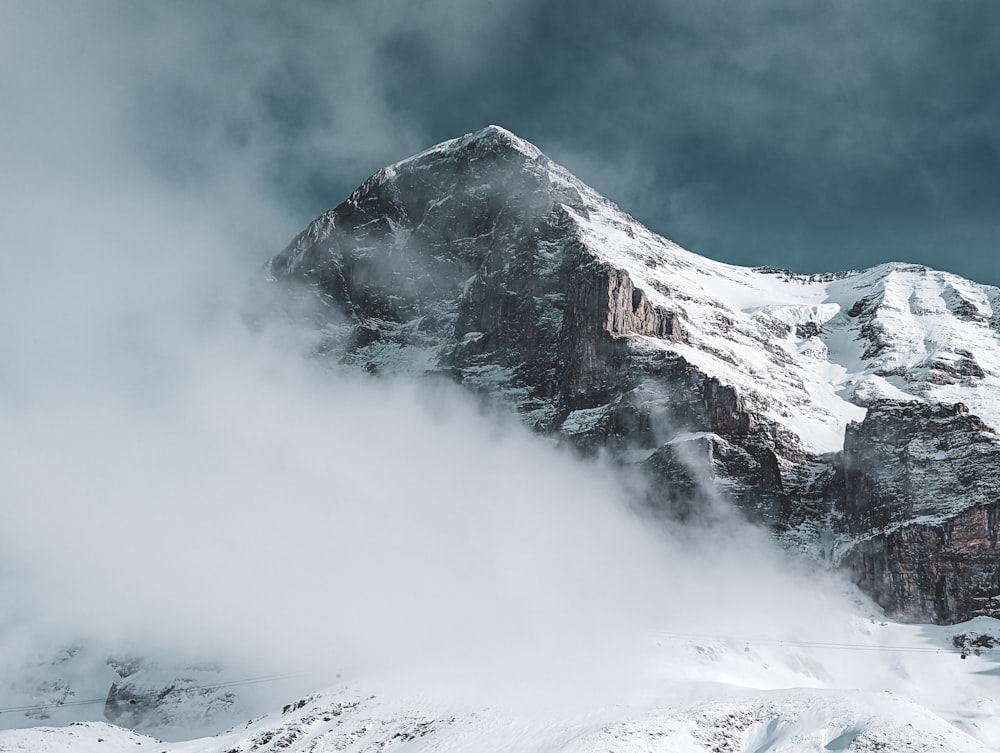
x=920, y=500
x=820, y=405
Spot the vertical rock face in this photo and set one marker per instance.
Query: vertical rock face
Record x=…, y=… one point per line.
x=910, y=460
x=921, y=498
x=483, y=261
x=946, y=572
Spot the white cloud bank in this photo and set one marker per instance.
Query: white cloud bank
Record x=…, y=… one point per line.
x=175, y=482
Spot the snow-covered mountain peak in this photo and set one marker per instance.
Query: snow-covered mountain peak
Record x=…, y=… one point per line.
x=483, y=260
x=807, y=351
x=491, y=141
x=494, y=138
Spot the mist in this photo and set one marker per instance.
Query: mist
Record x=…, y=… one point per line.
x=229, y=498
x=177, y=482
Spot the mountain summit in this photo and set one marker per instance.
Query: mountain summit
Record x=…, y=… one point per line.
x=854, y=414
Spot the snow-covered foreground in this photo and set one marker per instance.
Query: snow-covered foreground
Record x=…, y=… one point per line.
x=891, y=688
x=773, y=721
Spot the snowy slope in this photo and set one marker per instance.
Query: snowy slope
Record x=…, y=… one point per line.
x=79, y=736
x=888, y=687
x=813, y=350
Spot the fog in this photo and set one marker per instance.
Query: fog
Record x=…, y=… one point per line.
x=224, y=497
x=178, y=482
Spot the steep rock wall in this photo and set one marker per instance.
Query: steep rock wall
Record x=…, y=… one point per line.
x=921, y=494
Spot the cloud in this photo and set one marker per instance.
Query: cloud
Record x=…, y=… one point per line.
x=176, y=479
x=242, y=503
x=817, y=136
x=803, y=135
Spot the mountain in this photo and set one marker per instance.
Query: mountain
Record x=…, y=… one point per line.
x=854, y=414
x=851, y=414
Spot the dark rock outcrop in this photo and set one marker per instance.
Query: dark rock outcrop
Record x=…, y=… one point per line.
x=921, y=498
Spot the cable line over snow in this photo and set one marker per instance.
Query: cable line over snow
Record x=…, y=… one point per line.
x=829, y=644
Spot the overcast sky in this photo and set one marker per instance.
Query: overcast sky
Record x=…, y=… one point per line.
x=811, y=136
x=804, y=135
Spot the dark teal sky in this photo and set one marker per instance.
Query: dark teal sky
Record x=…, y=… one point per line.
x=814, y=136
